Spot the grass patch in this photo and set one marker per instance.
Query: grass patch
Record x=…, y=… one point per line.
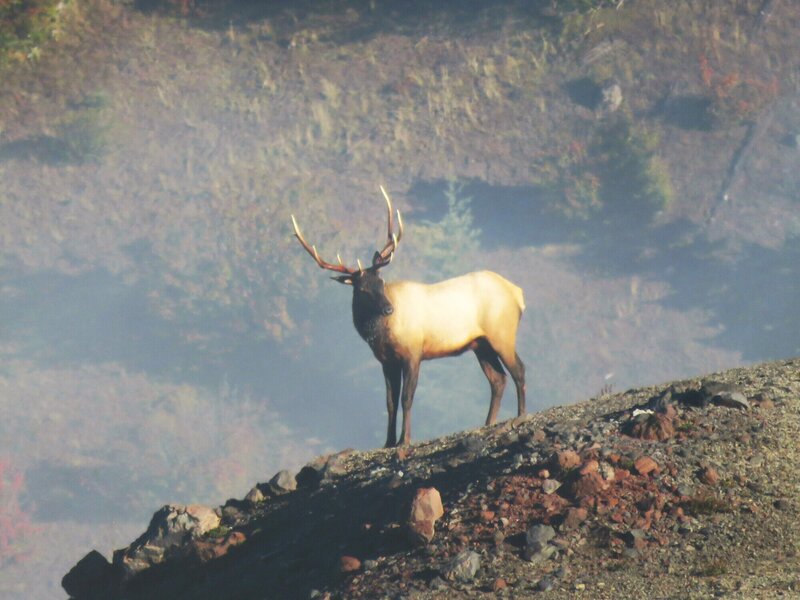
x=713, y=568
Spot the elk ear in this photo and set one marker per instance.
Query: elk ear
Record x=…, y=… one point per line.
x=376, y=257
x=346, y=279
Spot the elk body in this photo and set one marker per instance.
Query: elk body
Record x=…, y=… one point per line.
x=405, y=322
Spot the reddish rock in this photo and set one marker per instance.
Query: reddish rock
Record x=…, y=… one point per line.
x=587, y=485
x=765, y=403
x=709, y=476
x=349, y=564
x=644, y=465
x=590, y=466
x=620, y=474
x=425, y=510
x=656, y=427
x=487, y=516
x=205, y=550
x=574, y=517
x=565, y=460
x=499, y=585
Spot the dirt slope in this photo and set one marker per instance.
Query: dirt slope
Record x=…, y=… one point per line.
x=675, y=491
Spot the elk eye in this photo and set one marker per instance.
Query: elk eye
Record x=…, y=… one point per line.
x=387, y=310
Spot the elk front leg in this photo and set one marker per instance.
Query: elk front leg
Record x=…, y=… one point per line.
x=392, y=373
x=410, y=375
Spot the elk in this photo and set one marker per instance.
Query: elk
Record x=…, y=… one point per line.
x=405, y=322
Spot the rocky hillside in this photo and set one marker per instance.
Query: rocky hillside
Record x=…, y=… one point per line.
x=685, y=490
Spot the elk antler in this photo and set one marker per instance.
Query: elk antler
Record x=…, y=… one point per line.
x=384, y=256
x=380, y=259
x=312, y=250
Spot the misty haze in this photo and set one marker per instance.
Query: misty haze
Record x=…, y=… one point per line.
x=633, y=167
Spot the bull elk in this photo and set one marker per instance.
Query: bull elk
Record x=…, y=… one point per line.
x=405, y=322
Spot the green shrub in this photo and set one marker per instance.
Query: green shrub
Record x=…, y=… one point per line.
x=25, y=25
x=82, y=136
x=633, y=177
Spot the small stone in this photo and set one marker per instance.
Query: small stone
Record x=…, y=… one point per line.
x=607, y=471
x=255, y=495
x=538, y=535
x=504, y=522
x=550, y=485
x=499, y=585
x=709, y=476
x=579, y=587
x=590, y=466
x=349, y=564
x=574, y=517
x=283, y=482
x=725, y=394
x=462, y=567
x=370, y=564
x=544, y=474
x=611, y=97
x=546, y=584
x=565, y=460
x=472, y=444
x=588, y=485
x=732, y=399
x=487, y=516
x=644, y=465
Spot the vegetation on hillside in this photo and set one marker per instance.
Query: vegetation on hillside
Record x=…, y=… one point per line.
x=152, y=152
x=25, y=25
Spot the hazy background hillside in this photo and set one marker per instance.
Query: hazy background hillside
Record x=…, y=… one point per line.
x=632, y=165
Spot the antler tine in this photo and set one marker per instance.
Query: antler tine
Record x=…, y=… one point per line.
x=394, y=239
x=312, y=250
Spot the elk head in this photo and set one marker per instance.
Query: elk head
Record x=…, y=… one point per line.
x=369, y=298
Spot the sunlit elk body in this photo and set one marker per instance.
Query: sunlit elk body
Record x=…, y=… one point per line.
x=405, y=322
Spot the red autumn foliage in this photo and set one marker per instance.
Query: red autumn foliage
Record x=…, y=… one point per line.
x=15, y=524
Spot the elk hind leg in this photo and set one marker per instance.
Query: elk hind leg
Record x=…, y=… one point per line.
x=490, y=363
x=513, y=363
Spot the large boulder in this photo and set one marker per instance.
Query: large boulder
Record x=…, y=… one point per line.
x=93, y=577
x=169, y=533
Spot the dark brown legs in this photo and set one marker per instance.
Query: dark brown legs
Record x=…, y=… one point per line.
x=410, y=376
x=490, y=363
x=392, y=373
x=517, y=371
x=401, y=383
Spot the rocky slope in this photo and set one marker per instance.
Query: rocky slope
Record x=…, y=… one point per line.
x=682, y=490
